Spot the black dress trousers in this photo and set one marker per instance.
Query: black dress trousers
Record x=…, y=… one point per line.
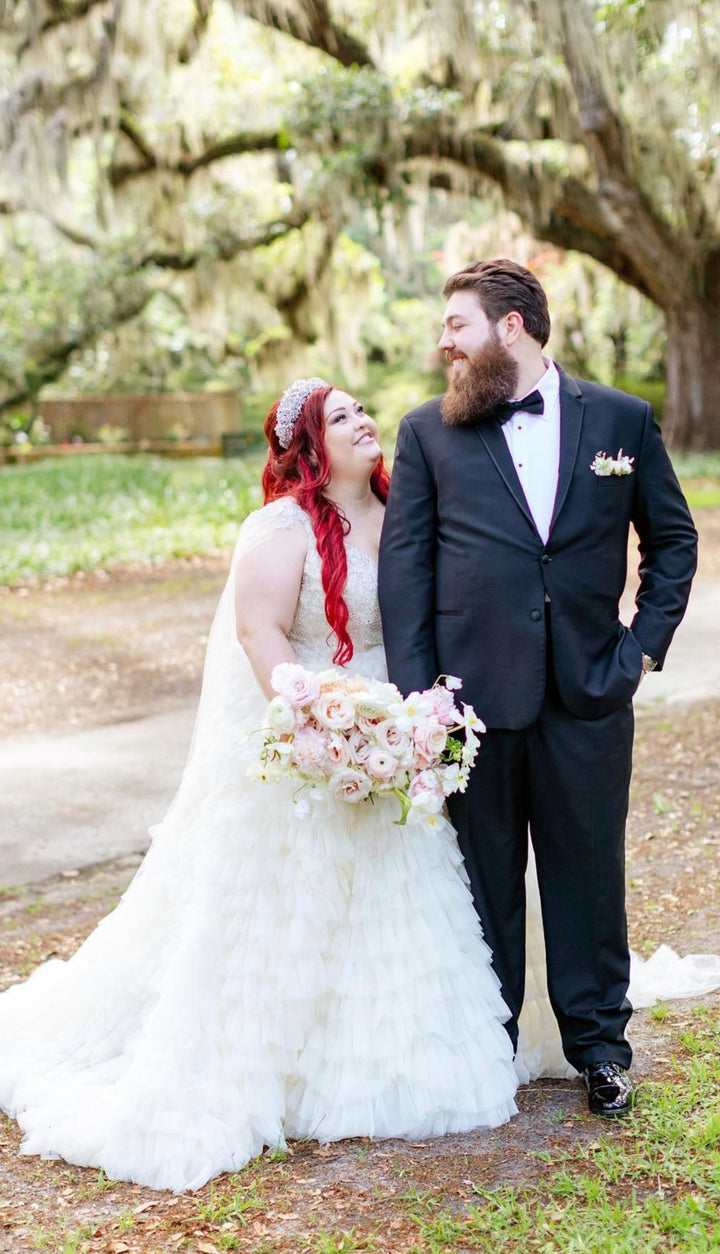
x=567, y=780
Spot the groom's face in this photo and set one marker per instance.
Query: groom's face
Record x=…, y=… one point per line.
x=466, y=332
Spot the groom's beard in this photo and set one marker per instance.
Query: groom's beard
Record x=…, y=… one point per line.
x=489, y=378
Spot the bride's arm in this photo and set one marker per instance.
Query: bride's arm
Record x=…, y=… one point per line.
x=267, y=587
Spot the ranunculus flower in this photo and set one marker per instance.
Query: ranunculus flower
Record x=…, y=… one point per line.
x=299, y=685
x=426, y=793
x=381, y=765
x=348, y=784
x=335, y=710
x=281, y=716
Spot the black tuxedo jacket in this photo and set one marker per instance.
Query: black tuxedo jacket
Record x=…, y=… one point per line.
x=465, y=577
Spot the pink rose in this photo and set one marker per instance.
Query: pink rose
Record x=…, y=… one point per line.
x=429, y=738
x=348, y=784
x=299, y=685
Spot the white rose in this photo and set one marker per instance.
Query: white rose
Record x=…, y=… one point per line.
x=388, y=736
x=359, y=746
x=335, y=710
x=349, y=784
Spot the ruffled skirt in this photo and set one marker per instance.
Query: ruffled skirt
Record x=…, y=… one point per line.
x=265, y=976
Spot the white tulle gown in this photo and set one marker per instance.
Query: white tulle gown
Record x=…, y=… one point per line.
x=267, y=976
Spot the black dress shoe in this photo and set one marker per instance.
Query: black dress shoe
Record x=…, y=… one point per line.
x=610, y=1093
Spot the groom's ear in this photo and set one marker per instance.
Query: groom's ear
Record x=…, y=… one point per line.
x=511, y=324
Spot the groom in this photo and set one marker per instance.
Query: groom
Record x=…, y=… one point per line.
x=503, y=559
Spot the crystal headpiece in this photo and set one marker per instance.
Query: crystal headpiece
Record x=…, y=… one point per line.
x=292, y=401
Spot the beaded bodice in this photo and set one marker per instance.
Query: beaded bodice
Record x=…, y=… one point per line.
x=310, y=634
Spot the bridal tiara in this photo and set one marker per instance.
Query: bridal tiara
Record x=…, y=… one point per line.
x=291, y=402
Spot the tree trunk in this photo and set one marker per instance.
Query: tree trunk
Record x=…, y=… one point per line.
x=692, y=405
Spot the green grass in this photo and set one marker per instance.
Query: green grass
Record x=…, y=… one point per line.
x=63, y=515
x=650, y=1184
x=68, y=514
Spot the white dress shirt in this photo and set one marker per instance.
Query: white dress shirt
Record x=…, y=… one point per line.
x=534, y=443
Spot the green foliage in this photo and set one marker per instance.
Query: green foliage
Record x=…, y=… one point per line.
x=62, y=515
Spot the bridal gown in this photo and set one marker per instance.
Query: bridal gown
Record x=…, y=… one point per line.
x=265, y=975
x=268, y=975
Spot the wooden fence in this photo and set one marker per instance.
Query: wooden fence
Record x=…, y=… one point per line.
x=152, y=417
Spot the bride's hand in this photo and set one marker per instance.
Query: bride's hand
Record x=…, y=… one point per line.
x=267, y=587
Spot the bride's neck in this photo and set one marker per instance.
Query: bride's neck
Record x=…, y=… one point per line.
x=350, y=496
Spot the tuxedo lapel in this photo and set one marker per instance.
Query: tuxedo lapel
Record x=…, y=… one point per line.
x=572, y=408
x=492, y=437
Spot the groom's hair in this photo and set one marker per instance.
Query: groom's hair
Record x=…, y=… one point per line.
x=503, y=286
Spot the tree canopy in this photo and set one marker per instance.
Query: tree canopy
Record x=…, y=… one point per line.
x=212, y=156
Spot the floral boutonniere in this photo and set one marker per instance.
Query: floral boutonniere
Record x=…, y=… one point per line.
x=603, y=465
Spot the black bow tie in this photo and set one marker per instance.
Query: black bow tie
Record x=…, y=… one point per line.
x=532, y=404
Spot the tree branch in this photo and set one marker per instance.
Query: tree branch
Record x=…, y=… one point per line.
x=36, y=91
x=236, y=145
x=607, y=140
x=193, y=38
x=223, y=248
x=313, y=26
x=561, y=207
x=62, y=15
x=52, y=363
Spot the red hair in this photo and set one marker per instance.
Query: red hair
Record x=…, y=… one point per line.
x=303, y=471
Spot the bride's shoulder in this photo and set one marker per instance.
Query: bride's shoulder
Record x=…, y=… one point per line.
x=263, y=525
x=280, y=514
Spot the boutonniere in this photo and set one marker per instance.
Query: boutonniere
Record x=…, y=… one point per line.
x=603, y=465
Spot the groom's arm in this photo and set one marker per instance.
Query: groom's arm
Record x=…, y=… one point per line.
x=668, y=546
x=407, y=568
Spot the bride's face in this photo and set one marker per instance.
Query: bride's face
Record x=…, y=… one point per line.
x=350, y=437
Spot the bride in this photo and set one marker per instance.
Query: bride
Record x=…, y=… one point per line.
x=267, y=975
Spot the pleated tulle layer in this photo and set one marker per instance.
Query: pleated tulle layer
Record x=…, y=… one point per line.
x=265, y=976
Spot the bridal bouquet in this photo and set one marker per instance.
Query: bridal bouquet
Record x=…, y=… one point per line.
x=356, y=738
